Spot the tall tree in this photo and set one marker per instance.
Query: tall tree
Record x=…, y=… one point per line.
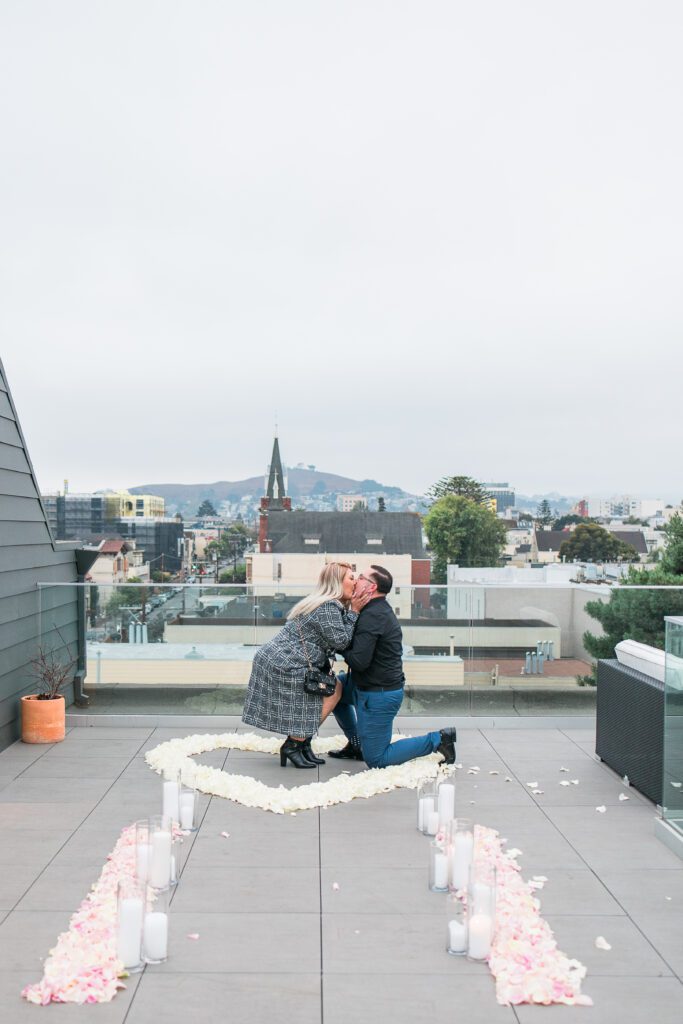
x=634, y=614
x=592, y=543
x=206, y=508
x=463, y=532
x=462, y=486
x=672, y=559
x=381, y=504
x=544, y=513
x=571, y=519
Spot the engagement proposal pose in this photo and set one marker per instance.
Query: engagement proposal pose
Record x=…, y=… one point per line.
x=373, y=690
x=278, y=696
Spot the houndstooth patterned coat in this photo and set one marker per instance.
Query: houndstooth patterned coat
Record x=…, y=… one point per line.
x=276, y=699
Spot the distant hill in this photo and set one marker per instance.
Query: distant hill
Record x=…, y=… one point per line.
x=186, y=498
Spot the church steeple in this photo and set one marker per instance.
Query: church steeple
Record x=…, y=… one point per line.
x=275, y=490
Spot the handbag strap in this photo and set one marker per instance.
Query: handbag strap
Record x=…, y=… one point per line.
x=303, y=642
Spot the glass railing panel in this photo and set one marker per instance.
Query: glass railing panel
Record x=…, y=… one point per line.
x=672, y=776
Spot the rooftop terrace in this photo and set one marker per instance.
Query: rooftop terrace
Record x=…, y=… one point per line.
x=277, y=941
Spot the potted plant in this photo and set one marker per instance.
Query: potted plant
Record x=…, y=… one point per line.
x=43, y=714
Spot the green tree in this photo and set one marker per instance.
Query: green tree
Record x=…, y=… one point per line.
x=461, y=486
x=381, y=504
x=592, y=543
x=463, y=532
x=134, y=598
x=634, y=614
x=206, y=508
x=544, y=513
x=672, y=559
x=570, y=520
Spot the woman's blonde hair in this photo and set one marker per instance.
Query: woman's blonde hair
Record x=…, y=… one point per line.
x=330, y=588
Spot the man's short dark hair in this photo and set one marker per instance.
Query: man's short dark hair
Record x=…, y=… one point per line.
x=382, y=578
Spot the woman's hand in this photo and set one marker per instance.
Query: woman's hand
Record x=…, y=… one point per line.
x=359, y=601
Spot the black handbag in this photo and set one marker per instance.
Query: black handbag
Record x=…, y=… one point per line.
x=316, y=680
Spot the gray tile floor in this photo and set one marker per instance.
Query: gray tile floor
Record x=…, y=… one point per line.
x=278, y=939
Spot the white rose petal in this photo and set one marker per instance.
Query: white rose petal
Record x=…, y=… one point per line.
x=622, y=796
x=601, y=809
x=602, y=943
x=532, y=785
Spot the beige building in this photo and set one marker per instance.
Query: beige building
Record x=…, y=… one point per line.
x=276, y=573
x=116, y=562
x=347, y=502
x=121, y=504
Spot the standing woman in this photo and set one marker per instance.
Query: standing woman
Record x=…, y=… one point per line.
x=316, y=627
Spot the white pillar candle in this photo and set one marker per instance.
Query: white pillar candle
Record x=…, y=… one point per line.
x=440, y=871
x=461, y=859
x=479, y=937
x=160, y=861
x=483, y=899
x=143, y=853
x=129, y=931
x=432, y=823
x=446, y=802
x=155, y=940
x=457, y=936
x=426, y=807
x=170, y=808
x=187, y=810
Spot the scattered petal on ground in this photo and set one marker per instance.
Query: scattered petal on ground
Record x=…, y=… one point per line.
x=536, y=885
x=601, y=809
x=539, y=878
x=602, y=943
x=514, y=852
x=494, y=773
x=575, y=782
x=508, y=778
x=565, y=782
x=677, y=785
x=668, y=898
x=226, y=835
x=622, y=796
x=564, y=769
x=532, y=785
x=335, y=887
x=538, y=792
x=193, y=935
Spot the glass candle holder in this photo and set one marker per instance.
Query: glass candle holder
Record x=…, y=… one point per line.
x=481, y=903
x=456, y=925
x=438, y=867
x=188, y=807
x=161, y=849
x=130, y=912
x=461, y=850
x=171, y=795
x=445, y=801
x=155, y=927
x=426, y=803
x=143, y=850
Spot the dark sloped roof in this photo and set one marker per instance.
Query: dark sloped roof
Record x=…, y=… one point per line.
x=550, y=540
x=399, y=533
x=635, y=538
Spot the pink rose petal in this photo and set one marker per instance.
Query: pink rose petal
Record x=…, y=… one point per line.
x=193, y=935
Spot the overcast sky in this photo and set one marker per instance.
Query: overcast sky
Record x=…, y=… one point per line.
x=431, y=237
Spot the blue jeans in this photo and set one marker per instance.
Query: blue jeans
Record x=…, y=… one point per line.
x=376, y=711
x=345, y=710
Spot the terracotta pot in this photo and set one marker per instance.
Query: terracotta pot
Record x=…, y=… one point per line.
x=42, y=721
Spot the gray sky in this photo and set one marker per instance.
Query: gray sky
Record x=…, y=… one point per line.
x=433, y=237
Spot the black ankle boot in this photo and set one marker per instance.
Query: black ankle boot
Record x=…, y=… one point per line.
x=351, y=752
x=308, y=752
x=447, y=746
x=291, y=750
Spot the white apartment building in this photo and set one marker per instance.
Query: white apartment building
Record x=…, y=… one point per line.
x=347, y=502
x=621, y=506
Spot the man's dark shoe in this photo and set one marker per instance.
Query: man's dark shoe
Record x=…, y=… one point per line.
x=351, y=752
x=447, y=746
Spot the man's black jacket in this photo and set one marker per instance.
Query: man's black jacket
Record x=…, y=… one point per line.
x=375, y=654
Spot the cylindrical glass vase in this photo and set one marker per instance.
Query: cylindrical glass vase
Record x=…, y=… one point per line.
x=188, y=807
x=438, y=867
x=445, y=802
x=426, y=803
x=161, y=851
x=155, y=928
x=456, y=925
x=170, y=807
x=461, y=850
x=481, y=913
x=130, y=912
x=143, y=850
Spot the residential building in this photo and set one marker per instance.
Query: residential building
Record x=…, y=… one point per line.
x=76, y=516
x=623, y=506
x=349, y=502
x=117, y=561
x=160, y=539
x=120, y=504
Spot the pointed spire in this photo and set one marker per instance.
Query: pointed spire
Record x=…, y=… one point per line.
x=275, y=490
